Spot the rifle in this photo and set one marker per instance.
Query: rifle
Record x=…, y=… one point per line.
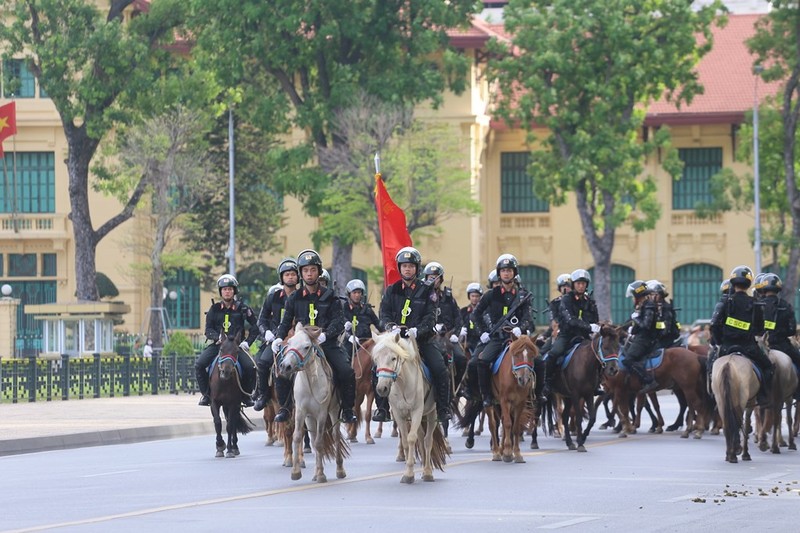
x=528, y=296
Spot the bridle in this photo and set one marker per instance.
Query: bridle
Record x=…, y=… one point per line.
x=599, y=353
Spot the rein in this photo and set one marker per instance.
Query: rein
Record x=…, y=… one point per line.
x=598, y=352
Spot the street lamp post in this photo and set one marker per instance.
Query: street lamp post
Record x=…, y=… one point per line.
x=756, y=174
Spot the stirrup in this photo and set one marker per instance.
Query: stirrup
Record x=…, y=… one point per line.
x=261, y=402
x=204, y=401
x=349, y=416
x=380, y=415
x=488, y=401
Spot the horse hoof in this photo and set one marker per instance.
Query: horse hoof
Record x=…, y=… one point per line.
x=651, y=430
x=508, y=459
x=269, y=442
x=230, y=455
x=407, y=479
x=746, y=457
x=400, y=459
x=572, y=447
x=495, y=458
x=322, y=478
x=684, y=435
x=623, y=435
x=352, y=440
x=534, y=445
x=465, y=433
x=287, y=462
x=776, y=450
x=659, y=431
x=519, y=459
x=307, y=449
x=427, y=477
x=603, y=426
x=698, y=436
x=469, y=443
x=581, y=448
x=296, y=475
x=732, y=459
x=714, y=432
x=341, y=474
x=673, y=427
x=478, y=433
x=370, y=441
x=793, y=446
x=763, y=446
x=219, y=454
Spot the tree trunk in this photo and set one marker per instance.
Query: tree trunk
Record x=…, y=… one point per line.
x=601, y=248
x=80, y=215
x=342, y=266
x=789, y=114
x=157, y=300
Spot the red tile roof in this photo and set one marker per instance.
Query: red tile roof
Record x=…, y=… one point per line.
x=726, y=73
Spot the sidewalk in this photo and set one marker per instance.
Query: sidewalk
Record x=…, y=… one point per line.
x=41, y=426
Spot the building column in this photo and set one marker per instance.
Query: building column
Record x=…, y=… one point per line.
x=8, y=326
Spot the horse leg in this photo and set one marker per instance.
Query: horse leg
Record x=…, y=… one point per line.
x=622, y=406
x=368, y=418
x=694, y=399
x=218, y=428
x=317, y=436
x=494, y=443
x=656, y=420
x=409, y=443
x=306, y=442
x=427, y=448
x=792, y=445
x=776, y=426
x=297, y=441
x=565, y=421
x=231, y=423
x=589, y=424
x=746, y=431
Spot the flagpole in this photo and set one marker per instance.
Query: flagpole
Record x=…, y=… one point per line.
x=15, y=215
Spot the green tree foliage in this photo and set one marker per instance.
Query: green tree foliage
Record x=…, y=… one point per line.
x=776, y=45
x=587, y=71
x=92, y=64
x=299, y=62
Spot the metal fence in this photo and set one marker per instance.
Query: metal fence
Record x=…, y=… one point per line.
x=36, y=379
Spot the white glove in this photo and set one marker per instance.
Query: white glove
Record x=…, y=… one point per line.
x=484, y=337
x=269, y=336
x=244, y=346
x=276, y=345
x=412, y=332
x=634, y=315
x=453, y=339
x=540, y=338
x=630, y=330
x=352, y=339
x=348, y=326
x=395, y=330
x=438, y=328
x=595, y=327
x=463, y=332
x=516, y=332
x=321, y=337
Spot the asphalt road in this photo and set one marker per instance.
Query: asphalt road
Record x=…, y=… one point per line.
x=645, y=482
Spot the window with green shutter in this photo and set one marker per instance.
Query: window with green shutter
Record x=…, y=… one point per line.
x=32, y=187
x=516, y=185
x=22, y=265
x=49, y=265
x=537, y=280
x=18, y=80
x=699, y=164
x=695, y=291
x=184, y=310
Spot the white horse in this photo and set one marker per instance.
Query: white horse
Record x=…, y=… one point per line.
x=411, y=400
x=316, y=404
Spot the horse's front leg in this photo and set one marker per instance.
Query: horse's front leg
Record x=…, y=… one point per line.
x=565, y=414
x=622, y=407
x=509, y=431
x=320, y=426
x=297, y=442
x=368, y=419
x=776, y=426
x=494, y=432
x=411, y=445
x=583, y=435
x=746, y=432
x=658, y=426
x=218, y=428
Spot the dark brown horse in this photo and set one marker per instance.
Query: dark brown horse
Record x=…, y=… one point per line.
x=577, y=383
x=512, y=386
x=682, y=369
x=226, y=394
x=362, y=366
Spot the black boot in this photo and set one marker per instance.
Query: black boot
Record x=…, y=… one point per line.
x=763, y=398
x=647, y=381
x=443, y=398
x=264, y=391
x=348, y=398
x=284, y=389
x=381, y=413
x=485, y=383
x=471, y=390
x=202, y=385
x=549, y=375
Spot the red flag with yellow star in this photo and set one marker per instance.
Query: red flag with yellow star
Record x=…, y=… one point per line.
x=8, y=123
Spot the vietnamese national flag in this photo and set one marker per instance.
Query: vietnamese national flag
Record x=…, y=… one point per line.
x=393, y=230
x=8, y=123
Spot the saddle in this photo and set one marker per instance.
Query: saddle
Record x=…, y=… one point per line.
x=651, y=362
x=499, y=360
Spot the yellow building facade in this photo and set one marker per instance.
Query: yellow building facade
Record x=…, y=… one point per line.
x=689, y=254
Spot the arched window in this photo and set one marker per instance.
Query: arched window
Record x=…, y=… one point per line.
x=695, y=290
x=537, y=280
x=621, y=276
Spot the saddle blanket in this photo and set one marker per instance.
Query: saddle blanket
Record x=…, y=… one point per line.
x=563, y=361
x=499, y=360
x=652, y=361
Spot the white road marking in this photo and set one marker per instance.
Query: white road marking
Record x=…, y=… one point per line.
x=567, y=523
x=110, y=473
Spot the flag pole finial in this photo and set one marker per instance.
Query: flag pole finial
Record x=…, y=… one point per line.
x=377, y=162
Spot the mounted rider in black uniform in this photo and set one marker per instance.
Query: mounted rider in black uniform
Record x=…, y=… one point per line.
x=577, y=320
x=228, y=317
x=736, y=324
x=407, y=304
x=779, y=320
x=643, y=333
x=315, y=305
x=499, y=303
x=268, y=321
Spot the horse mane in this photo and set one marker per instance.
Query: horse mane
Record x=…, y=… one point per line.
x=524, y=342
x=387, y=340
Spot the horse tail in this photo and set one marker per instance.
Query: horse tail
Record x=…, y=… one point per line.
x=331, y=438
x=471, y=412
x=438, y=449
x=243, y=424
x=731, y=418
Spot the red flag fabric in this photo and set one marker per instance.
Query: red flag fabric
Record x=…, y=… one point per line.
x=393, y=230
x=8, y=123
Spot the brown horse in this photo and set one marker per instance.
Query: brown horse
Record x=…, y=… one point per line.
x=226, y=394
x=512, y=385
x=362, y=366
x=680, y=369
x=577, y=383
x=784, y=384
x=735, y=386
